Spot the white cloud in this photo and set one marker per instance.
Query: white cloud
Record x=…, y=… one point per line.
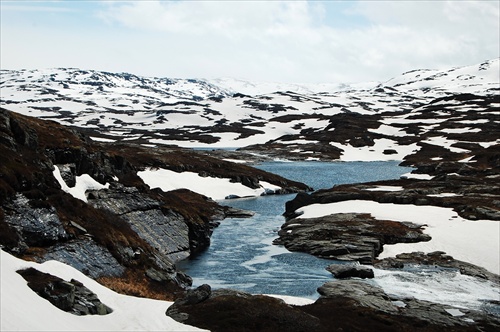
x=294, y=41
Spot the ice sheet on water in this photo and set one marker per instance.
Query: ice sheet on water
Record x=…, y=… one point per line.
x=436, y=284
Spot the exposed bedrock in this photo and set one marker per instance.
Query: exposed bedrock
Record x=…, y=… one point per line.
x=346, y=236
x=347, y=305
x=371, y=301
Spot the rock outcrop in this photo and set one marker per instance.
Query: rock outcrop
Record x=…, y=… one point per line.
x=70, y=296
x=395, y=312
x=437, y=258
x=346, y=236
x=347, y=305
x=231, y=310
x=343, y=271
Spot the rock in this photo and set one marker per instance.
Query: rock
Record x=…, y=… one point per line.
x=346, y=236
x=408, y=311
x=342, y=271
x=166, y=231
x=231, y=310
x=436, y=258
x=198, y=295
x=86, y=256
x=232, y=212
x=363, y=293
x=37, y=226
x=70, y=296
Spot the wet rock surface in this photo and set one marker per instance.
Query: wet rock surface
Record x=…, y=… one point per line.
x=86, y=256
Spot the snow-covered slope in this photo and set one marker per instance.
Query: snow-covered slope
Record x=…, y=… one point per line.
x=298, y=118
x=23, y=310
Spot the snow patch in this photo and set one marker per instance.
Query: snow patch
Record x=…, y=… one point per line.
x=83, y=183
x=215, y=188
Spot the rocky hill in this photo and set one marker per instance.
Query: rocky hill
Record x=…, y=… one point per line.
x=67, y=198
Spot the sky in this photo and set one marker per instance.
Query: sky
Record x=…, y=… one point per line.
x=262, y=41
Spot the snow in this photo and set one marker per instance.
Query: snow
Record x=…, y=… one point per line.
x=446, y=143
x=23, y=310
x=385, y=188
x=390, y=131
x=460, y=130
x=215, y=188
x=416, y=176
x=102, y=139
x=435, y=284
x=450, y=233
x=454, y=312
x=375, y=152
x=292, y=300
x=83, y=183
x=443, y=195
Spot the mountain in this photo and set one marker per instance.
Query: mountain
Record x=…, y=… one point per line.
x=194, y=113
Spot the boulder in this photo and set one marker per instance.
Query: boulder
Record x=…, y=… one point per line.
x=343, y=271
x=70, y=296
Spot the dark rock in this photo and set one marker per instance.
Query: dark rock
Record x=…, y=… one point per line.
x=436, y=258
x=409, y=311
x=37, y=226
x=232, y=212
x=86, y=256
x=70, y=296
x=342, y=271
x=346, y=236
x=230, y=310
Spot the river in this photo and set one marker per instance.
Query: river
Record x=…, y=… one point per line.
x=241, y=254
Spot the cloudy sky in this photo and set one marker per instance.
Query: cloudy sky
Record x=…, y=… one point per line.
x=277, y=41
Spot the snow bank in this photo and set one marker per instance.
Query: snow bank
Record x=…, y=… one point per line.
x=416, y=176
x=23, y=310
x=385, y=188
x=83, y=183
x=476, y=242
x=215, y=188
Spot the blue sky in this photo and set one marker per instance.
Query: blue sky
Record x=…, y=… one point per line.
x=282, y=41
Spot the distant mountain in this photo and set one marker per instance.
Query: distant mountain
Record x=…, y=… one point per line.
x=368, y=121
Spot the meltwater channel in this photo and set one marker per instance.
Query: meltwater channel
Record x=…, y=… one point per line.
x=241, y=255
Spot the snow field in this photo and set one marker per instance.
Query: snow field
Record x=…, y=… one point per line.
x=476, y=242
x=23, y=310
x=215, y=188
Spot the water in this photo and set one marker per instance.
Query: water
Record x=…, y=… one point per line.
x=242, y=256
